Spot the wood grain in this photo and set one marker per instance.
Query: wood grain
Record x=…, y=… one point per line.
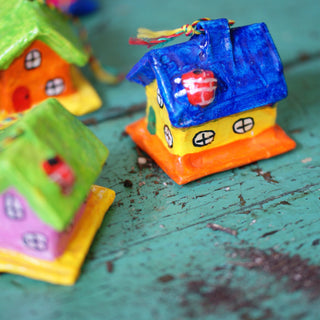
x=166, y=262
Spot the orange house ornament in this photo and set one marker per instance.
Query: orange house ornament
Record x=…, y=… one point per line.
x=39, y=56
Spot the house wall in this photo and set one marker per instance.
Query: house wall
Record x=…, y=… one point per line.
x=223, y=130
x=22, y=231
x=28, y=80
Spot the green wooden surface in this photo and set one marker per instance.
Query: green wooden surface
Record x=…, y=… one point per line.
x=155, y=256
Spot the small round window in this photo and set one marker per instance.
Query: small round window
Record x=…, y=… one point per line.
x=159, y=97
x=243, y=125
x=55, y=87
x=13, y=207
x=35, y=241
x=168, y=136
x=203, y=138
x=32, y=60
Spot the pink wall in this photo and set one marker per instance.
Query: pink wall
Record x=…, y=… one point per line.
x=21, y=230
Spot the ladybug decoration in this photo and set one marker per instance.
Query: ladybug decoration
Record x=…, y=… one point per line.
x=200, y=86
x=60, y=172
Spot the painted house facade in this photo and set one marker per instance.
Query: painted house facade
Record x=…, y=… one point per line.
x=28, y=234
x=44, y=186
x=39, y=53
x=211, y=134
x=219, y=88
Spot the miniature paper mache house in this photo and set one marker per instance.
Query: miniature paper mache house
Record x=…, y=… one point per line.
x=39, y=53
x=211, y=101
x=49, y=212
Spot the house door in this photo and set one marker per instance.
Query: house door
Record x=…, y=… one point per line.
x=21, y=99
x=151, y=121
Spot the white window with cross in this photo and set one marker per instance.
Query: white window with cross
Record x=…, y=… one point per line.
x=159, y=99
x=13, y=207
x=55, y=86
x=33, y=59
x=203, y=138
x=243, y=125
x=35, y=241
x=168, y=136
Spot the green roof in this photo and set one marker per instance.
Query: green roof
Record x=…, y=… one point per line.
x=23, y=21
x=44, y=132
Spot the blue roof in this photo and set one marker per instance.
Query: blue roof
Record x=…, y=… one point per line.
x=244, y=60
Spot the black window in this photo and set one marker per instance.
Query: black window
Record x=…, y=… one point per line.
x=243, y=125
x=13, y=207
x=32, y=60
x=203, y=138
x=55, y=87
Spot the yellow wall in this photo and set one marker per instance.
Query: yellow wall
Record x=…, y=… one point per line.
x=264, y=117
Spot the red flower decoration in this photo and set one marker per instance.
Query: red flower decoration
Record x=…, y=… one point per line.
x=200, y=86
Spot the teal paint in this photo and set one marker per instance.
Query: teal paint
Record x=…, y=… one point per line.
x=157, y=228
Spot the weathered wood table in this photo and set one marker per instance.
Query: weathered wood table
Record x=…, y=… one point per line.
x=155, y=256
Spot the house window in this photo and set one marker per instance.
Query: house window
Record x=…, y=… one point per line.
x=159, y=98
x=32, y=60
x=59, y=172
x=13, y=207
x=35, y=241
x=203, y=138
x=168, y=136
x=243, y=125
x=55, y=87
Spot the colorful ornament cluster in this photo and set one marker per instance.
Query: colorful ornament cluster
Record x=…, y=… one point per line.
x=49, y=209
x=211, y=106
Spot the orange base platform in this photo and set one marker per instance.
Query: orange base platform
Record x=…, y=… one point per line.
x=183, y=169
